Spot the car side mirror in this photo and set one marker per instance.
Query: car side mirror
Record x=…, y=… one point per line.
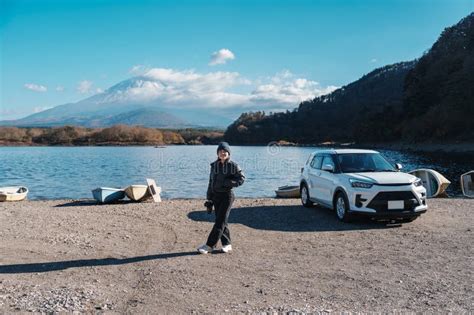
x=328, y=167
x=398, y=166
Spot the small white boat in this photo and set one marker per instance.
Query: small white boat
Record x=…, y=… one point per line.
x=137, y=192
x=467, y=184
x=288, y=191
x=107, y=194
x=17, y=193
x=434, y=182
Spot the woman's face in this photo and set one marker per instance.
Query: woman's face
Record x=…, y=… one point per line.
x=223, y=154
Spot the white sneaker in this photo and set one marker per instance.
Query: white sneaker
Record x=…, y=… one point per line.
x=204, y=249
x=227, y=248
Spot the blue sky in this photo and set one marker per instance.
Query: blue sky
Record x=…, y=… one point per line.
x=55, y=52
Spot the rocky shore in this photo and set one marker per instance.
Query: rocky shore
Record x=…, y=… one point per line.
x=67, y=256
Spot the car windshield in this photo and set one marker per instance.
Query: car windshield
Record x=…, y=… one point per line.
x=364, y=162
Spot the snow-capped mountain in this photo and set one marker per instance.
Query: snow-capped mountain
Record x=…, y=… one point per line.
x=140, y=100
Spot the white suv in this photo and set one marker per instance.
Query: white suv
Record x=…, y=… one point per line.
x=361, y=181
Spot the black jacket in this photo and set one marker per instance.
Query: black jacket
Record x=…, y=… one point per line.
x=224, y=177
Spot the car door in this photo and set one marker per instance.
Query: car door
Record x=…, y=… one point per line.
x=326, y=181
x=313, y=173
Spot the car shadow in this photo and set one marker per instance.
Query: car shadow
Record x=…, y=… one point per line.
x=292, y=218
x=61, y=265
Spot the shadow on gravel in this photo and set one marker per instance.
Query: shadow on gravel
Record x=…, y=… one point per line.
x=61, y=265
x=291, y=219
x=90, y=202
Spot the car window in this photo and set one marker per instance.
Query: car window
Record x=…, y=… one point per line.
x=363, y=162
x=328, y=161
x=317, y=162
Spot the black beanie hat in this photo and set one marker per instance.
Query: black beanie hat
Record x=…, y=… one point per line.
x=223, y=146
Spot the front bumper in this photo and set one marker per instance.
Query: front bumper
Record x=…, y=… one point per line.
x=375, y=201
x=391, y=214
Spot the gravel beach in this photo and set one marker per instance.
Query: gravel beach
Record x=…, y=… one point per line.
x=65, y=255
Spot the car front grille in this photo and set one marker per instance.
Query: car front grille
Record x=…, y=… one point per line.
x=380, y=201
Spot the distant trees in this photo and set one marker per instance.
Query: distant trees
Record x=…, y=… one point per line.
x=115, y=135
x=13, y=134
x=127, y=134
x=64, y=135
x=198, y=136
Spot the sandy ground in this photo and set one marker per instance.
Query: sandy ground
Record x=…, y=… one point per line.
x=66, y=255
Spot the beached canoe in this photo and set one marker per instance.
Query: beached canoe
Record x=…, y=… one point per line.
x=16, y=193
x=137, y=192
x=434, y=182
x=107, y=194
x=288, y=191
x=467, y=184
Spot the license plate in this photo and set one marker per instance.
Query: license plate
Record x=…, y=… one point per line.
x=396, y=205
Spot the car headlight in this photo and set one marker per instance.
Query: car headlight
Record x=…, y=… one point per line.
x=360, y=184
x=418, y=183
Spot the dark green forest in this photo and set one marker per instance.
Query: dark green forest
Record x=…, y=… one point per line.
x=426, y=100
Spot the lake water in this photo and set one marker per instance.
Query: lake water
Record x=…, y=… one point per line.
x=181, y=171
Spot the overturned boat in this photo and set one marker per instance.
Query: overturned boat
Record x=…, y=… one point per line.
x=15, y=193
x=288, y=191
x=434, y=182
x=137, y=192
x=467, y=184
x=107, y=194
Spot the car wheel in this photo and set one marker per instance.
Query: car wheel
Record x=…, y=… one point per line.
x=341, y=207
x=304, y=192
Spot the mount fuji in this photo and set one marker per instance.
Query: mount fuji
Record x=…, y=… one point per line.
x=136, y=101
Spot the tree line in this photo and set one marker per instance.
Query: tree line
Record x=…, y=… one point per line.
x=115, y=135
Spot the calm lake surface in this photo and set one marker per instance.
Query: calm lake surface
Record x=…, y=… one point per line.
x=181, y=171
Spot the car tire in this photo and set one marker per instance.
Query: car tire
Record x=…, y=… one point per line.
x=341, y=207
x=304, y=193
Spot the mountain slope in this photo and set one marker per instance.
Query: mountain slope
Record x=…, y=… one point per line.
x=439, y=91
x=143, y=117
x=118, y=104
x=333, y=116
x=429, y=99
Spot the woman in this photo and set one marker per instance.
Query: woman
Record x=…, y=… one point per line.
x=225, y=175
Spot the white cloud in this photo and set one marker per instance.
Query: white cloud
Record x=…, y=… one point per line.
x=60, y=88
x=188, y=88
x=99, y=90
x=41, y=108
x=36, y=87
x=137, y=70
x=221, y=57
x=6, y=113
x=84, y=87
x=189, y=79
x=286, y=91
x=185, y=88
x=373, y=60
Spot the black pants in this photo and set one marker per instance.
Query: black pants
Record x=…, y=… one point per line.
x=220, y=230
